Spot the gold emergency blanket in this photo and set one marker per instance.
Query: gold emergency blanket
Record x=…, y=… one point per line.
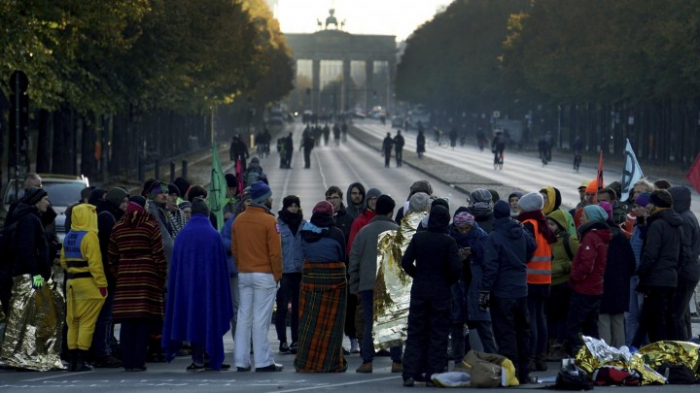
x=392, y=289
x=33, y=331
x=596, y=353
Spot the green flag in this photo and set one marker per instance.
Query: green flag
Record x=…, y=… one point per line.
x=217, y=189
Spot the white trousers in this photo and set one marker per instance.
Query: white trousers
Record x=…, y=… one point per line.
x=257, y=296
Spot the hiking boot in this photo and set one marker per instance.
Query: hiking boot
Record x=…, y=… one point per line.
x=365, y=368
x=284, y=347
x=408, y=382
x=81, y=364
x=271, y=368
x=195, y=368
x=108, y=362
x=396, y=367
x=294, y=348
x=354, y=346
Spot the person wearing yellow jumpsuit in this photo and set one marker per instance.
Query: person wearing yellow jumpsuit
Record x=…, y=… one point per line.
x=86, y=287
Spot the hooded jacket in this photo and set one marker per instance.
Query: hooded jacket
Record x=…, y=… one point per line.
x=358, y=224
x=506, y=252
x=362, y=268
x=483, y=215
x=81, y=254
x=561, y=262
x=107, y=217
x=588, y=267
x=554, y=204
x=661, y=252
x=30, y=246
x=474, y=239
x=436, y=256
x=691, y=232
x=352, y=210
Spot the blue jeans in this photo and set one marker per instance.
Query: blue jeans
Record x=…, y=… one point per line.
x=103, y=328
x=632, y=316
x=367, y=347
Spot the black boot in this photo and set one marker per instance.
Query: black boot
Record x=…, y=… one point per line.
x=81, y=364
x=72, y=359
x=457, y=350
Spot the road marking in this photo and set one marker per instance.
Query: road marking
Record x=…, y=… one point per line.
x=335, y=385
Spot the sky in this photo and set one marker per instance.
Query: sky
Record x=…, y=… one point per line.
x=386, y=17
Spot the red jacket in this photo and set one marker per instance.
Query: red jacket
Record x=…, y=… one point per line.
x=362, y=220
x=588, y=267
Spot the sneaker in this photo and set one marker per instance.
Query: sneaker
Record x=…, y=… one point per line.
x=365, y=368
x=194, y=368
x=408, y=382
x=284, y=347
x=271, y=368
x=354, y=346
x=396, y=367
x=108, y=362
x=294, y=347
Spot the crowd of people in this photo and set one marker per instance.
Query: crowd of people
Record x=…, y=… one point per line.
x=528, y=276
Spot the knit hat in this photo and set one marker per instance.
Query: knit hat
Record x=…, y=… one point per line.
x=116, y=195
x=593, y=186
x=440, y=202
x=323, y=208
x=421, y=186
x=199, y=206
x=385, y=205
x=231, y=180
x=259, y=192
x=33, y=195
x=501, y=209
x=255, y=160
x=642, y=199
x=661, y=198
x=439, y=218
x=419, y=202
x=531, y=202
x=481, y=195
x=96, y=196
x=463, y=219
x=595, y=213
x=373, y=193
x=607, y=207
x=85, y=192
x=172, y=189
x=139, y=200
x=246, y=194
x=157, y=188
x=494, y=195
x=289, y=200
x=185, y=205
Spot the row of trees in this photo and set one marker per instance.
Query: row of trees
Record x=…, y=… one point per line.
x=605, y=70
x=132, y=77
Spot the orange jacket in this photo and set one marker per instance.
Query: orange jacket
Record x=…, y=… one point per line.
x=539, y=268
x=256, y=244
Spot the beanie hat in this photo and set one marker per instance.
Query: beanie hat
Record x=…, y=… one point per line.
x=642, y=199
x=85, y=192
x=172, y=189
x=183, y=185
x=96, y=196
x=199, y=206
x=259, y=192
x=494, y=195
x=255, y=160
x=419, y=202
x=421, y=186
x=289, y=200
x=661, y=198
x=185, y=205
x=33, y=195
x=593, y=186
x=481, y=195
x=439, y=218
x=139, y=200
x=531, y=202
x=157, y=188
x=385, y=205
x=501, y=209
x=323, y=208
x=373, y=193
x=607, y=207
x=246, y=194
x=116, y=195
x=231, y=180
x=595, y=213
x=463, y=219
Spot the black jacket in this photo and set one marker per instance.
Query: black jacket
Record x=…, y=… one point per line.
x=436, y=256
x=691, y=232
x=661, y=250
x=30, y=246
x=343, y=221
x=618, y=270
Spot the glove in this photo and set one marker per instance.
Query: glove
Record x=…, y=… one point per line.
x=37, y=281
x=103, y=292
x=484, y=298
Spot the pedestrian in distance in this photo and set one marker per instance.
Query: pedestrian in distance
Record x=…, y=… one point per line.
x=387, y=147
x=398, y=148
x=420, y=143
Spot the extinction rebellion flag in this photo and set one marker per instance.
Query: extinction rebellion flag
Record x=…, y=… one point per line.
x=631, y=172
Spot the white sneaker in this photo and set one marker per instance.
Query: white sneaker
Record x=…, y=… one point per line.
x=354, y=346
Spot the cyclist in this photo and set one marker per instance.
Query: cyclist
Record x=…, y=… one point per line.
x=498, y=145
x=481, y=138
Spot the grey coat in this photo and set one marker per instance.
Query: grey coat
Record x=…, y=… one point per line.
x=363, y=255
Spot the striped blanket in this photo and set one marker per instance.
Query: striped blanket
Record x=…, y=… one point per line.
x=322, y=304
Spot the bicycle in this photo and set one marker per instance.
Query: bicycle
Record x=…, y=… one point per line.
x=434, y=143
x=577, y=161
x=498, y=159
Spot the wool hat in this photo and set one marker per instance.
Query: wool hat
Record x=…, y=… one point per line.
x=199, y=206
x=246, y=194
x=642, y=199
x=33, y=195
x=373, y=193
x=494, y=195
x=323, y=208
x=385, y=205
x=231, y=180
x=289, y=200
x=172, y=189
x=531, y=202
x=593, y=186
x=259, y=192
x=419, y=202
x=421, y=186
x=595, y=213
x=661, y=198
x=255, y=160
x=139, y=200
x=440, y=202
x=501, y=209
x=481, y=195
x=116, y=195
x=607, y=207
x=185, y=205
x=85, y=192
x=96, y=196
x=439, y=218
x=463, y=219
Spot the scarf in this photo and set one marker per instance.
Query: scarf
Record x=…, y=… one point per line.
x=291, y=219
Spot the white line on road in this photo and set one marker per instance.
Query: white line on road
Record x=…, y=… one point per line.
x=336, y=385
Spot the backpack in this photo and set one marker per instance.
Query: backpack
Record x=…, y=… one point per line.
x=571, y=377
x=677, y=374
x=567, y=246
x=251, y=177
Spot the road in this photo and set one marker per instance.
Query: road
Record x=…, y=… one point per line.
x=331, y=165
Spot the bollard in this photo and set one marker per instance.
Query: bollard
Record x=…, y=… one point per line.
x=184, y=169
x=156, y=170
x=139, y=169
x=172, y=171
